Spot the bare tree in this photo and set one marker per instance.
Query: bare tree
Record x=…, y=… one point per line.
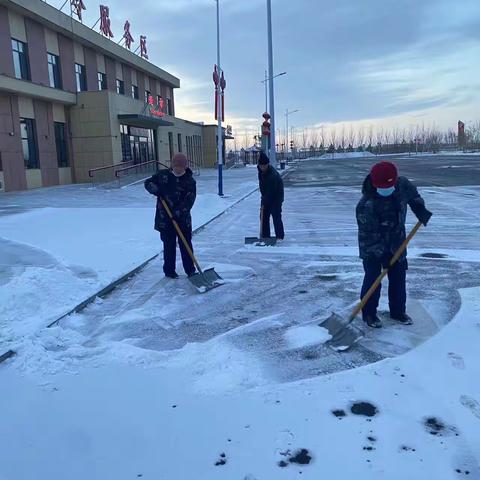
x=343, y=138
x=387, y=136
x=370, y=136
x=314, y=139
x=361, y=136
x=396, y=135
x=333, y=136
x=304, y=138
x=351, y=137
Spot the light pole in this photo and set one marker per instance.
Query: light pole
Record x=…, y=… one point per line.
x=287, y=114
x=219, y=111
x=273, y=152
x=266, y=85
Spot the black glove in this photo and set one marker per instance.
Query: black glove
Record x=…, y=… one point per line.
x=152, y=188
x=425, y=217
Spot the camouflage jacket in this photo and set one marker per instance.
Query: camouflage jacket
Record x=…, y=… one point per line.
x=381, y=220
x=180, y=194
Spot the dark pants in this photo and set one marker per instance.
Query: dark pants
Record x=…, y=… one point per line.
x=397, y=293
x=276, y=212
x=169, y=239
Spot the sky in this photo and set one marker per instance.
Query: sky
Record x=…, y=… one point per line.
x=385, y=63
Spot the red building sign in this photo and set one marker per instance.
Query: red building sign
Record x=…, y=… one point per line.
x=156, y=110
x=76, y=7
x=127, y=35
x=143, y=46
x=105, y=21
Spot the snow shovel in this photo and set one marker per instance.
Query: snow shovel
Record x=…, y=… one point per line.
x=261, y=241
x=343, y=333
x=203, y=280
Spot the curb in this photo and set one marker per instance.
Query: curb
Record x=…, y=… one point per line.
x=113, y=285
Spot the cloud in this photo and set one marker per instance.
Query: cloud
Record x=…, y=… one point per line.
x=346, y=61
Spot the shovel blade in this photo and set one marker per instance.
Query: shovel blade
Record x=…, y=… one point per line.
x=344, y=334
x=205, y=281
x=261, y=242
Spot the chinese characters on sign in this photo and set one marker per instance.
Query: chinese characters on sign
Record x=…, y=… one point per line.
x=143, y=46
x=76, y=7
x=156, y=110
x=127, y=35
x=105, y=21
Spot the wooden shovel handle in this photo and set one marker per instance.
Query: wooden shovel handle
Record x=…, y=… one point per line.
x=260, y=235
x=377, y=282
x=180, y=234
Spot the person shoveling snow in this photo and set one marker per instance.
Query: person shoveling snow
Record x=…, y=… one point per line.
x=271, y=189
x=381, y=215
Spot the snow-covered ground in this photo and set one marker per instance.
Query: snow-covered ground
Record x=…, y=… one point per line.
x=58, y=246
x=156, y=381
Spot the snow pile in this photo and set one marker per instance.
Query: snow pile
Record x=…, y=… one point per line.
x=304, y=336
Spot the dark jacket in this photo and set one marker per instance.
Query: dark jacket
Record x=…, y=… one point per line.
x=180, y=194
x=381, y=220
x=271, y=186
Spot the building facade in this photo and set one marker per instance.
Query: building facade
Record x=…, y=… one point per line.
x=72, y=100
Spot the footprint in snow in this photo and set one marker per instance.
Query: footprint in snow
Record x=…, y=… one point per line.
x=457, y=361
x=471, y=404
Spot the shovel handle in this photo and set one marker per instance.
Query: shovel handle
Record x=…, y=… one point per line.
x=377, y=282
x=260, y=235
x=180, y=234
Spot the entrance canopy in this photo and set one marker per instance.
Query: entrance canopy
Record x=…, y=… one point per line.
x=143, y=121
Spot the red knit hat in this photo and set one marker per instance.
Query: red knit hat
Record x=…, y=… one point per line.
x=384, y=175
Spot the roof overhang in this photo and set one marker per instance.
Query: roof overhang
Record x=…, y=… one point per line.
x=143, y=121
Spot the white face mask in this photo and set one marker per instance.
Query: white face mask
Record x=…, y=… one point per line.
x=385, y=192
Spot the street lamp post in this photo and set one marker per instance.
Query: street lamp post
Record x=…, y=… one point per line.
x=287, y=114
x=273, y=153
x=219, y=111
x=266, y=85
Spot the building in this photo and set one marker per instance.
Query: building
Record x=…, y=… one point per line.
x=73, y=101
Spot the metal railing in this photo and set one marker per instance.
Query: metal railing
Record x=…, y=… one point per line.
x=123, y=174
x=106, y=174
x=135, y=173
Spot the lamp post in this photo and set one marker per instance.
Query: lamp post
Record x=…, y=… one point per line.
x=219, y=111
x=287, y=114
x=266, y=86
x=273, y=153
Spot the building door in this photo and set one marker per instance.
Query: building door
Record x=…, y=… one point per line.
x=144, y=157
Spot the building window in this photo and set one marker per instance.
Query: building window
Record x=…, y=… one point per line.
x=20, y=59
x=135, y=92
x=179, y=136
x=126, y=144
x=54, y=70
x=147, y=94
x=29, y=143
x=61, y=144
x=102, y=81
x=170, y=144
x=80, y=78
x=120, y=87
x=169, y=107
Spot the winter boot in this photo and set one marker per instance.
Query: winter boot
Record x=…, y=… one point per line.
x=372, y=321
x=173, y=275
x=403, y=318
